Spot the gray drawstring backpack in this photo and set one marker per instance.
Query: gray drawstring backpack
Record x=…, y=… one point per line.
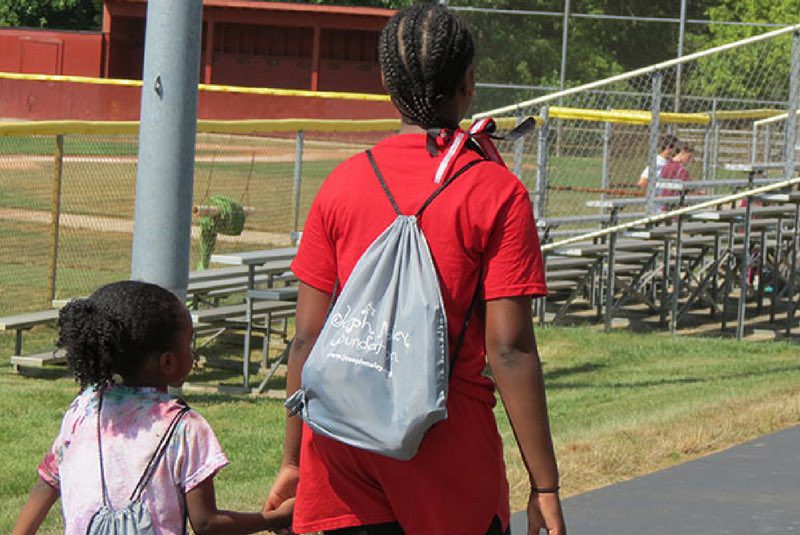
x=134, y=518
x=377, y=376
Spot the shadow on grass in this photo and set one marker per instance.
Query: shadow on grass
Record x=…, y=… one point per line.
x=673, y=380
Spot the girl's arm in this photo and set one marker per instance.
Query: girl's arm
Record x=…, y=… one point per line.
x=312, y=309
x=41, y=499
x=206, y=519
x=514, y=361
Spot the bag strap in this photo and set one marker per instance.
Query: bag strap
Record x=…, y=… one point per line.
x=430, y=199
x=103, y=487
x=166, y=438
x=151, y=464
x=463, y=334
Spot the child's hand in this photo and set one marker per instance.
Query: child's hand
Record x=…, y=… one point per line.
x=285, y=487
x=280, y=518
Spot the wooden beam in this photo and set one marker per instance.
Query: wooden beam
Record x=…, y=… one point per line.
x=315, y=58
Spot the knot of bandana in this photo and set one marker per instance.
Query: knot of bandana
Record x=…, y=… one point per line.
x=482, y=132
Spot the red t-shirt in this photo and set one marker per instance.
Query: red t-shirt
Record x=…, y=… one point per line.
x=481, y=223
x=673, y=171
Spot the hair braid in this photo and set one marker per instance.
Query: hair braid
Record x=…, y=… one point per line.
x=423, y=50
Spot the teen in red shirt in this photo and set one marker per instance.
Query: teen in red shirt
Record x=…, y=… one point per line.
x=481, y=225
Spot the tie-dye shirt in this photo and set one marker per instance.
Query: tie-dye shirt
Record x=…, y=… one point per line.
x=133, y=421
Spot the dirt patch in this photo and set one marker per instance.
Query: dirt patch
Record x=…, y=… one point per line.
x=18, y=164
x=125, y=226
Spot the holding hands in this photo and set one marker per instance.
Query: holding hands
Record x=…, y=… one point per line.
x=280, y=502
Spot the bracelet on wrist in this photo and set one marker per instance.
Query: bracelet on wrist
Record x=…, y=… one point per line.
x=546, y=490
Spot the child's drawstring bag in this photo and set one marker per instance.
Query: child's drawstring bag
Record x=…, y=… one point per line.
x=134, y=518
x=377, y=376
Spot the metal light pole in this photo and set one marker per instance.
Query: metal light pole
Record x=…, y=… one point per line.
x=165, y=175
x=679, y=69
x=564, y=46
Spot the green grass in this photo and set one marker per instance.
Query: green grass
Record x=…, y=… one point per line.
x=621, y=404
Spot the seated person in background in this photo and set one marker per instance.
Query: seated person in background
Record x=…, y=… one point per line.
x=676, y=169
x=666, y=150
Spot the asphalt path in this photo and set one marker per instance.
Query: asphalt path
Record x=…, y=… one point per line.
x=753, y=488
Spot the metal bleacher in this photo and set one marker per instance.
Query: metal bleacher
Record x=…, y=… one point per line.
x=704, y=252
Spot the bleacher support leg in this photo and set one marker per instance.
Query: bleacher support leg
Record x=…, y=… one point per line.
x=792, y=273
x=740, y=316
x=609, y=312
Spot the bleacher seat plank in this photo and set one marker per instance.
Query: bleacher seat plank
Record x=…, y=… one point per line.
x=222, y=313
x=39, y=360
x=27, y=320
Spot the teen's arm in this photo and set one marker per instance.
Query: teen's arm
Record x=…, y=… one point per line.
x=40, y=500
x=206, y=519
x=312, y=308
x=514, y=361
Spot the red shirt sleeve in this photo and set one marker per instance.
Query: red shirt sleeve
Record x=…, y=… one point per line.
x=315, y=263
x=513, y=261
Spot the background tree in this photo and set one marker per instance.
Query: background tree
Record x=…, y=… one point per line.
x=58, y=14
x=759, y=71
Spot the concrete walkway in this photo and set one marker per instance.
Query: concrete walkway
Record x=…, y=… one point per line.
x=749, y=489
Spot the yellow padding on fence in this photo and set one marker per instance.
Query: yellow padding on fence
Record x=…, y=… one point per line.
x=637, y=117
x=610, y=116
x=41, y=128
x=643, y=117
x=44, y=128
x=684, y=118
x=748, y=114
x=22, y=128
x=202, y=87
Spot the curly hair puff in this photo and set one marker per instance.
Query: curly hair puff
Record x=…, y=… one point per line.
x=118, y=328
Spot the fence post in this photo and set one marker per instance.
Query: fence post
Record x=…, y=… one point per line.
x=754, y=145
x=298, y=182
x=55, y=215
x=767, y=143
x=519, y=149
x=606, y=174
x=714, y=140
x=541, y=164
x=707, y=145
x=790, y=128
x=655, y=127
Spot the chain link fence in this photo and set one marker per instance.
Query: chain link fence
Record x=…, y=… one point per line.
x=67, y=200
x=67, y=195
x=597, y=140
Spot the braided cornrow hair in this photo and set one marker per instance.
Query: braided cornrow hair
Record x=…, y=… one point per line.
x=117, y=328
x=424, y=52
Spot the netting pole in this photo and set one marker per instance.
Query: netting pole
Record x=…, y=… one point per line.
x=790, y=128
x=55, y=215
x=655, y=127
x=541, y=163
x=165, y=174
x=606, y=175
x=297, y=184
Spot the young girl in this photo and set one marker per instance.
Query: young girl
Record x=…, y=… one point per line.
x=141, y=334
x=480, y=230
